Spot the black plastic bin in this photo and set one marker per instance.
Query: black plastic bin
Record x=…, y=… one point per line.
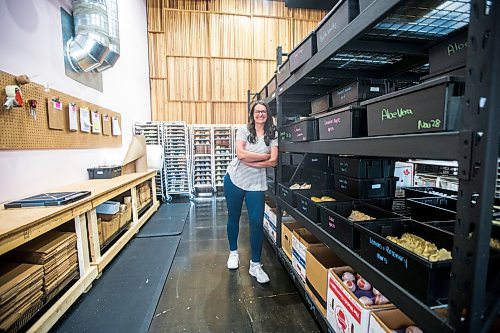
x=432, y=209
x=104, y=172
x=303, y=52
x=334, y=219
x=428, y=192
x=428, y=281
x=302, y=130
x=356, y=92
x=320, y=104
x=365, y=188
x=271, y=87
x=318, y=180
x=336, y=20
x=449, y=54
x=283, y=73
x=363, y=167
x=347, y=122
x=309, y=208
x=433, y=106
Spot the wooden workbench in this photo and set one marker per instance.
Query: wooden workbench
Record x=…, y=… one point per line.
x=19, y=226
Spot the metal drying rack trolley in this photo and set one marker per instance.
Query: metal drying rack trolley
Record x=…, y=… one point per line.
x=202, y=143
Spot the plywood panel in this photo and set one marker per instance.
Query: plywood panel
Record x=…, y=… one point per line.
x=186, y=4
x=270, y=8
x=230, y=6
x=157, y=61
x=300, y=30
x=189, y=79
x=269, y=33
x=262, y=71
x=190, y=112
x=158, y=97
x=229, y=113
x=187, y=33
x=230, y=79
x=230, y=36
x=307, y=14
x=155, y=15
x=20, y=130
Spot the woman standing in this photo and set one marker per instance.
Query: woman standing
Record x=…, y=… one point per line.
x=256, y=149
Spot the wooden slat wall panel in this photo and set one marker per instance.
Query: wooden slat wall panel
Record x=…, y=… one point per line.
x=157, y=61
x=262, y=71
x=206, y=54
x=158, y=97
x=155, y=15
x=230, y=6
x=230, y=36
x=229, y=113
x=268, y=34
x=186, y=4
x=189, y=79
x=300, y=30
x=230, y=79
x=188, y=33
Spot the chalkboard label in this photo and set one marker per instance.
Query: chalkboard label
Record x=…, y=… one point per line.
x=386, y=253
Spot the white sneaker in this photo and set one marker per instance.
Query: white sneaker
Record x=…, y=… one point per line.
x=233, y=261
x=257, y=271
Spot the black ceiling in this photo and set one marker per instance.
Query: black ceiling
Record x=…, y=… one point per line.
x=311, y=4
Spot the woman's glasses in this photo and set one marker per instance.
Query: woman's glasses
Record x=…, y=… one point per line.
x=260, y=112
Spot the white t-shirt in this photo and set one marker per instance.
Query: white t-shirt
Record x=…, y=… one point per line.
x=246, y=177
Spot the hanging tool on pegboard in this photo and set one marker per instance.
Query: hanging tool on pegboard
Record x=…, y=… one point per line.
x=14, y=96
x=32, y=108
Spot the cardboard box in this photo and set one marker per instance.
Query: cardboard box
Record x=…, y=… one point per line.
x=99, y=231
x=344, y=312
x=302, y=241
x=319, y=260
x=386, y=321
x=109, y=228
x=287, y=229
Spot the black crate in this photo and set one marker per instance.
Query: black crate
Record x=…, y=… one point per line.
x=302, y=130
x=363, y=167
x=365, y=188
x=449, y=54
x=363, y=4
x=263, y=93
x=309, y=208
x=318, y=180
x=432, y=106
x=384, y=202
x=316, y=162
x=432, y=209
x=356, y=92
x=336, y=20
x=428, y=192
x=285, y=193
x=334, y=219
x=271, y=173
x=303, y=52
x=320, y=104
x=271, y=87
x=104, y=172
x=428, y=281
x=283, y=73
x=291, y=159
x=347, y=122
x=271, y=186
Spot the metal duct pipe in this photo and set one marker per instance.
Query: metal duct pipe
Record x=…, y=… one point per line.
x=90, y=46
x=114, y=37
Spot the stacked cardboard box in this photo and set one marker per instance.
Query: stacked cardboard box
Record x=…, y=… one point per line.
x=109, y=224
x=143, y=194
x=20, y=290
x=56, y=252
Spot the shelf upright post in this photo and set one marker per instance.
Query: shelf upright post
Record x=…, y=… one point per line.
x=473, y=304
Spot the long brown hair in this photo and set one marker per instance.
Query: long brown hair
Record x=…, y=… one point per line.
x=269, y=128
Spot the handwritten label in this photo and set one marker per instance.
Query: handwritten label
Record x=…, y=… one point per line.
x=375, y=89
x=399, y=113
x=433, y=123
x=331, y=222
x=324, y=35
x=387, y=250
x=456, y=47
x=334, y=121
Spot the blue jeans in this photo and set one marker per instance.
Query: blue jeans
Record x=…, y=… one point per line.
x=255, y=205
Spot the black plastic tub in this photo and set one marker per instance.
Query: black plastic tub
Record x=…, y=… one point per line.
x=336, y=20
x=104, y=172
x=283, y=73
x=365, y=188
x=347, y=122
x=320, y=104
x=271, y=87
x=428, y=281
x=263, y=93
x=334, y=219
x=428, y=192
x=449, y=54
x=433, y=106
x=318, y=180
x=356, y=92
x=432, y=209
x=303, y=52
x=363, y=167
x=309, y=208
x=302, y=130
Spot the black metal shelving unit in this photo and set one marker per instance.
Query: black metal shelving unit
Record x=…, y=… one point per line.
x=388, y=40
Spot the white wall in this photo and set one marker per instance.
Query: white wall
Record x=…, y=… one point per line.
x=31, y=44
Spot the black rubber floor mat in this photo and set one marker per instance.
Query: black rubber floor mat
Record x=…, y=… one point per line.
x=125, y=297
x=169, y=220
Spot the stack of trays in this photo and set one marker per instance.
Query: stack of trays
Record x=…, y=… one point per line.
x=56, y=252
x=20, y=291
